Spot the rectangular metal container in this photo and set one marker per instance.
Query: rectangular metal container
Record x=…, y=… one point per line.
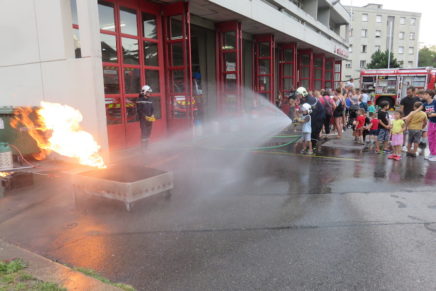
x=126, y=184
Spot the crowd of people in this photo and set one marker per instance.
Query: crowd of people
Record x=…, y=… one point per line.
x=382, y=128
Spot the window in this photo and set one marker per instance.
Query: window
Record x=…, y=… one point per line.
x=412, y=36
x=377, y=48
x=364, y=17
x=402, y=20
x=348, y=65
x=401, y=49
x=410, y=64
x=412, y=21
x=350, y=49
x=362, y=64
x=401, y=35
x=364, y=33
x=76, y=34
x=364, y=48
x=378, y=19
x=411, y=50
x=378, y=33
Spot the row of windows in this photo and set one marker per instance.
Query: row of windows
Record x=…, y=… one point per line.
x=364, y=49
x=364, y=34
x=362, y=64
x=379, y=19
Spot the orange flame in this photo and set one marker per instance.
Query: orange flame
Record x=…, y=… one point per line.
x=55, y=127
x=5, y=174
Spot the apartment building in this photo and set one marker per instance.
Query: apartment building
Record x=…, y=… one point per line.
x=374, y=28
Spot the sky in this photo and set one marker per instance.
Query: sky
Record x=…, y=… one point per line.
x=427, y=8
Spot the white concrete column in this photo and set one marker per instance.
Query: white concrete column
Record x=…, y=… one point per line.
x=89, y=28
x=324, y=16
x=311, y=7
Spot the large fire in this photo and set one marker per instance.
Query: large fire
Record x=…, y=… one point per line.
x=55, y=127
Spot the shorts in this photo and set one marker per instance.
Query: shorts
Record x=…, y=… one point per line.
x=373, y=132
x=306, y=136
x=414, y=135
x=397, y=139
x=383, y=134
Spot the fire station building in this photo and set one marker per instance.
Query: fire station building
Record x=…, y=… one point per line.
x=202, y=58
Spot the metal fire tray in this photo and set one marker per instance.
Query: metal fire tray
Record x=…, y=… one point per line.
x=126, y=184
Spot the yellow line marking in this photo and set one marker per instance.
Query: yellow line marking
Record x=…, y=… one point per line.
x=308, y=156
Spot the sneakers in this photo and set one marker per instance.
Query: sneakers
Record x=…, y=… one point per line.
x=404, y=149
x=394, y=157
x=397, y=158
x=309, y=152
x=432, y=159
x=428, y=157
x=412, y=155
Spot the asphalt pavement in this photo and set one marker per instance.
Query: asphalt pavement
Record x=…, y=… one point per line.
x=259, y=220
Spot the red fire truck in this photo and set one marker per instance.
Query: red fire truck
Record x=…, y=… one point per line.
x=391, y=84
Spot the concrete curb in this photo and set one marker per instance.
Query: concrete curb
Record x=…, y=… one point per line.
x=49, y=271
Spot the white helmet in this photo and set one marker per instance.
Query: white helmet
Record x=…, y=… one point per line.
x=146, y=89
x=306, y=107
x=301, y=91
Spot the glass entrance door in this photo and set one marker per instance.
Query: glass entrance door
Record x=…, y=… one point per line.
x=328, y=74
x=264, y=60
x=305, y=59
x=181, y=105
x=132, y=55
x=287, y=68
x=229, y=67
x=318, y=67
x=338, y=73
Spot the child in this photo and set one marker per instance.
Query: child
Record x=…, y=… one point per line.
x=373, y=129
x=359, y=123
x=416, y=121
x=306, y=129
x=292, y=106
x=366, y=131
x=398, y=127
x=371, y=107
x=383, y=127
x=430, y=110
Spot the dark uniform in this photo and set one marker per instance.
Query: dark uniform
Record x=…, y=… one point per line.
x=144, y=107
x=317, y=116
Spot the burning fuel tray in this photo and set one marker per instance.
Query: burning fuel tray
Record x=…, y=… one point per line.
x=126, y=184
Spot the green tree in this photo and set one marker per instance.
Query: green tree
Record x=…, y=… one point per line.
x=427, y=57
x=379, y=60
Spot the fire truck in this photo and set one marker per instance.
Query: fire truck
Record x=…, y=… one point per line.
x=391, y=84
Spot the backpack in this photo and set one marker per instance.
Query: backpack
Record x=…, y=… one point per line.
x=327, y=106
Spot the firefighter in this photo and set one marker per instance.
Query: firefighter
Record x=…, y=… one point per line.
x=144, y=107
x=317, y=115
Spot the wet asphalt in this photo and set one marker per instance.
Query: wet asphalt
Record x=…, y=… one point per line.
x=261, y=220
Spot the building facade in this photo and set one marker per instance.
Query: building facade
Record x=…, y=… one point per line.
x=374, y=28
x=202, y=58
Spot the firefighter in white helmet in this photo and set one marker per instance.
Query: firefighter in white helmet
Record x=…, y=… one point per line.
x=317, y=115
x=145, y=110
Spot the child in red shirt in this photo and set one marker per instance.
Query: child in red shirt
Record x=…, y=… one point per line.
x=359, y=123
x=373, y=129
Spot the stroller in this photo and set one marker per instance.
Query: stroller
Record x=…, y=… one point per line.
x=352, y=115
